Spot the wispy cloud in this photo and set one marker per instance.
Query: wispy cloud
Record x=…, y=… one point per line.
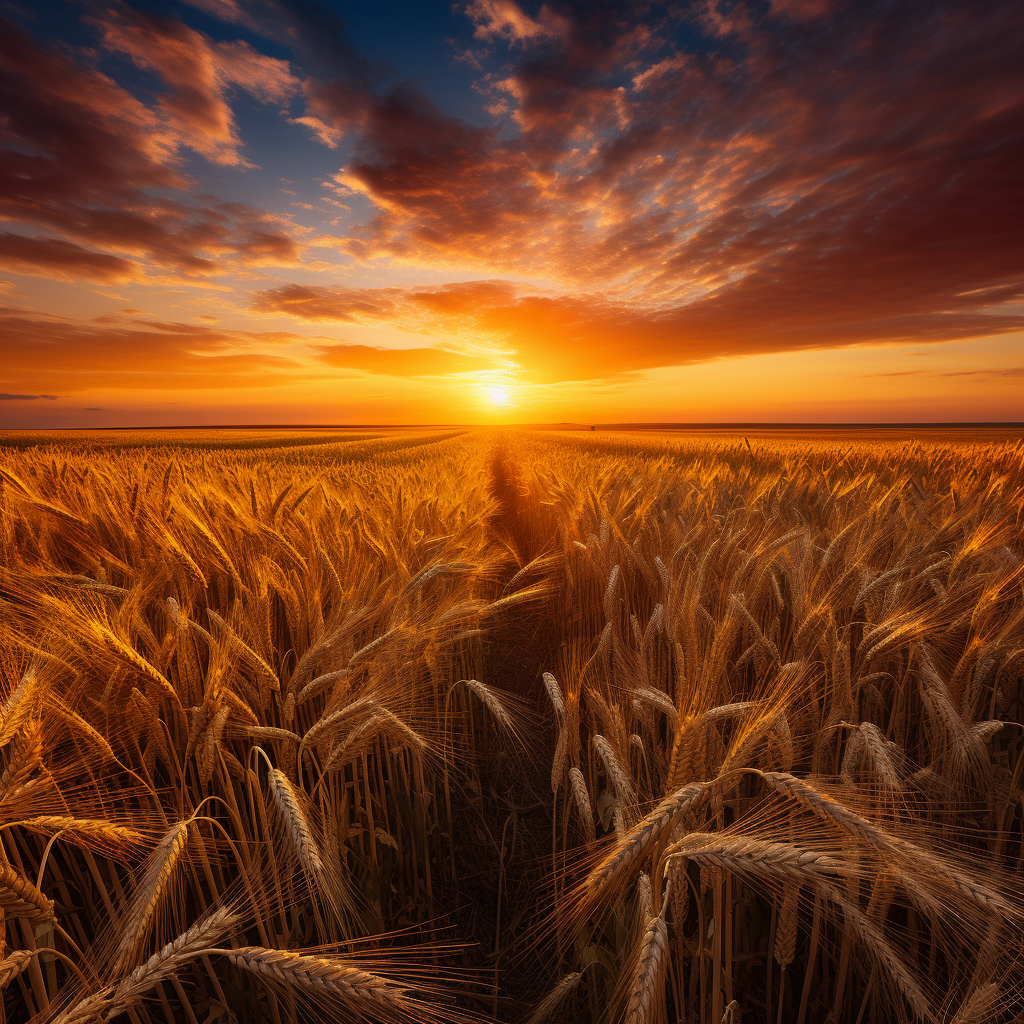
x=989, y=373
x=198, y=73
x=1006, y=371
x=119, y=351
x=894, y=373
x=788, y=181
x=586, y=336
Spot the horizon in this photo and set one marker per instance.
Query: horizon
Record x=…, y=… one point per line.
x=565, y=424
x=500, y=212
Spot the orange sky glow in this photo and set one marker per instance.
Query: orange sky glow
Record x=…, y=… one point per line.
x=272, y=212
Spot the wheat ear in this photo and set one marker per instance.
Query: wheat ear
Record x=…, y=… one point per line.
x=555, y=696
x=13, y=964
x=978, y=1008
x=582, y=798
x=754, y=856
x=152, y=889
x=875, y=942
x=547, y=1006
x=93, y=832
x=860, y=827
x=20, y=898
x=661, y=701
x=648, y=971
x=298, y=828
x=787, y=926
x=632, y=847
x=322, y=975
x=490, y=700
x=613, y=769
x=114, y=1000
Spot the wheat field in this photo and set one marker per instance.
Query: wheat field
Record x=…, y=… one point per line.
x=453, y=725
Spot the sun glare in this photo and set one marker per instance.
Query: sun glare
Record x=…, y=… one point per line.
x=498, y=396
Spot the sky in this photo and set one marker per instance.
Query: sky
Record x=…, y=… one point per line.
x=285, y=211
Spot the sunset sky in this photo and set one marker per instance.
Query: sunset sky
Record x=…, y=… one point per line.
x=281, y=211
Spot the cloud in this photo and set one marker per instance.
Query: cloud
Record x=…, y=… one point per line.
x=681, y=182
x=120, y=352
x=777, y=181
x=800, y=8
x=507, y=19
x=55, y=257
x=586, y=336
x=83, y=159
x=26, y=398
x=993, y=373
x=339, y=86
x=414, y=362
x=198, y=73
x=894, y=373
x=1004, y=371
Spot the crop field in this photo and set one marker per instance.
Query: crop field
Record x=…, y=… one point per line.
x=508, y=725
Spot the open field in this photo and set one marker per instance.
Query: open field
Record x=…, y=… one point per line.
x=508, y=725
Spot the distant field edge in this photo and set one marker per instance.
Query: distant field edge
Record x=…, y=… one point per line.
x=772, y=425
x=596, y=424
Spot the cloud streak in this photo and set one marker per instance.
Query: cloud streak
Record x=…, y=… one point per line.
x=555, y=337
x=130, y=352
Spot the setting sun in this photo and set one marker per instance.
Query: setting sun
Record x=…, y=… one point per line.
x=497, y=396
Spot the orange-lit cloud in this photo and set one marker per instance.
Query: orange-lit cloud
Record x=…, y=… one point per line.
x=506, y=18
x=56, y=257
x=198, y=73
x=83, y=158
x=406, y=362
x=118, y=350
x=585, y=337
x=714, y=169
